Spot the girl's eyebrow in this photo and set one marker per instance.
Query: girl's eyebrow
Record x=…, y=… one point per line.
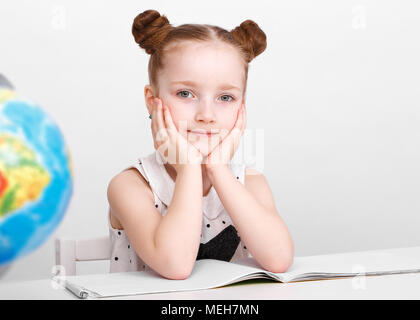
x=192, y=84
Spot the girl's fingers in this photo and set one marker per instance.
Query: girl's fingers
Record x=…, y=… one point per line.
x=239, y=121
x=153, y=122
x=168, y=119
x=161, y=129
x=243, y=118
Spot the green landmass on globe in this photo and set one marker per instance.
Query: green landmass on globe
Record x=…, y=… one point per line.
x=36, y=175
x=22, y=177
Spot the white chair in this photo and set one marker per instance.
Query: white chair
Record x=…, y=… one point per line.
x=70, y=251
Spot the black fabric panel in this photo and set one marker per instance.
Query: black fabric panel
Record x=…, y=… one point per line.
x=221, y=247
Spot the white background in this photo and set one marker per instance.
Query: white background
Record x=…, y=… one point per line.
x=336, y=95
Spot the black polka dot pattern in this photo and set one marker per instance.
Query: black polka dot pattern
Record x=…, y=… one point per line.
x=214, y=230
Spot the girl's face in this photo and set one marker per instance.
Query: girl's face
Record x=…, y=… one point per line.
x=203, y=85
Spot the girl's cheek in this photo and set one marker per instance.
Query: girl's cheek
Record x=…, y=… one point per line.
x=179, y=120
x=232, y=119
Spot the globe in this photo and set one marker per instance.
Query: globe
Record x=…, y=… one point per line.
x=36, y=176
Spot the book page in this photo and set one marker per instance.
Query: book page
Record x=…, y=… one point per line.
x=207, y=273
x=354, y=263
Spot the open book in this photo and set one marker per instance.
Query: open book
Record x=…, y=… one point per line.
x=209, y=273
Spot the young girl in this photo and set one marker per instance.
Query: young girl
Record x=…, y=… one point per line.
x=187, y=200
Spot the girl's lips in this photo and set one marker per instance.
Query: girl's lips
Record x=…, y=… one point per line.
x=202, y=133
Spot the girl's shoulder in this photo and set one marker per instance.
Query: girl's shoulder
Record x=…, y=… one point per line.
x=127, y=178
x=250, y=171
x=257, y=184
x=132, y=175
x=252, y=176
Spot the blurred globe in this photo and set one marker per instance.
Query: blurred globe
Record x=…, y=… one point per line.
x=36, y=178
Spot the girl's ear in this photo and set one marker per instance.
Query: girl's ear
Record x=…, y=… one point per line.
x=149, y=96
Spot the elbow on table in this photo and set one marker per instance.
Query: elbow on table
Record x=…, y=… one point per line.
x=280, y=265
x=178, y=275
x=177, y=271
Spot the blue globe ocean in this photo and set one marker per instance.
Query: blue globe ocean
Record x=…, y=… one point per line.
x=36, y=179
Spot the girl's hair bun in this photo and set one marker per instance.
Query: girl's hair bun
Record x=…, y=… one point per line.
x=251, y=38
x=149, y=29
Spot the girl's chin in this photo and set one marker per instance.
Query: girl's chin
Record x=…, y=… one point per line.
x=205, y=146
x=204, y=150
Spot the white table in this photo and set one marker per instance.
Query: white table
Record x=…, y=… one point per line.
x=398, y=286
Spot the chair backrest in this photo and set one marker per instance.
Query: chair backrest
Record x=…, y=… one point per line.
x=69, y=251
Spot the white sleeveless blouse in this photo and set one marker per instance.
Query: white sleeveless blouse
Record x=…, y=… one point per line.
x=219, y=238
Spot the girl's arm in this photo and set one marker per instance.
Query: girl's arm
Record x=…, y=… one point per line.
x=255, y=217
x=168, y=244
x=178, y=234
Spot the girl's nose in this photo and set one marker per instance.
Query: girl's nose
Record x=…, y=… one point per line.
x=205, y=112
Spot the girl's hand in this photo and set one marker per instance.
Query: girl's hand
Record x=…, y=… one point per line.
x=168, y=141
x=224, y=152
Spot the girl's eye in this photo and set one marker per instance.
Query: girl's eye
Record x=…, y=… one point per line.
x=231, y=98
x=183, y=91
x=184, y=94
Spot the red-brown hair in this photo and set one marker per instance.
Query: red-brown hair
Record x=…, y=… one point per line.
x=153, y=32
